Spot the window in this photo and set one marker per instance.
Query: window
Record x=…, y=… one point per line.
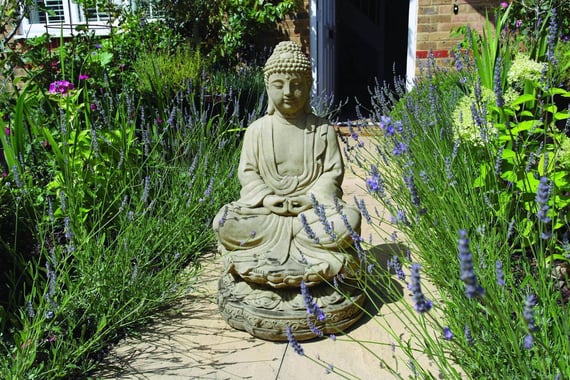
x=58, y=17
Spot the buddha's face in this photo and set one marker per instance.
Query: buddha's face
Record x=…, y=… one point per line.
x=289, y=93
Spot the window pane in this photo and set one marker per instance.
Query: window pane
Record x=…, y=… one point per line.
x=96, y=14
x=47, y=12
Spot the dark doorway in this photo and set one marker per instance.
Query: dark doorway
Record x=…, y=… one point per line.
x=372, y=39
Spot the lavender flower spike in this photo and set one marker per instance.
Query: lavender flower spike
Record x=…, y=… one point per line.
x=472, y=288
x=421, y=303
x=293, y=342
x=500, y=273
x=312, y=307
x=528, y=313
x=542, y=195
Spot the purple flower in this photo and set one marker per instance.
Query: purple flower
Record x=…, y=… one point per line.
x=518, y=24
x=500, y=274
x=394, y=263
x=504, y=4
x=375, y=183
x=320, y=211
x=400, y=218
x=318, y=332
x=447, y=334
x=83, y=76
x=528, y=312
x=528, y=342
x=386, y=125
x=542, y=195
x=60, y=87
x=497, y=84
x=499, y=161
x=468, y=336
x=98, y=46
x=458, y=63
x=308, y=229
x=293, y=342
x=224, y=217
x=552, y=36
x=472, y=288
x=93, y=107
x=363, y=210
x=7, y=131
x=400, y=148
x=312, y=307
x=409, y=181
x=421, y=303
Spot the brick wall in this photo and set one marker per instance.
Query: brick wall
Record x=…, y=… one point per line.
x=436, y=20
x=292, y=28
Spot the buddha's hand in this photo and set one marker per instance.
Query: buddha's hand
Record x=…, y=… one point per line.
x=299, y=204
x=276, y=204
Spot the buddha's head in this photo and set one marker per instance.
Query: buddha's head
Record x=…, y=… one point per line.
x=288, y=80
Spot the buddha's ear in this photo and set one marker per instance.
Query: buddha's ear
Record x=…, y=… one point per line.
x=270, y=106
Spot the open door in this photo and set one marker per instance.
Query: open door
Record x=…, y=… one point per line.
x=356, y=43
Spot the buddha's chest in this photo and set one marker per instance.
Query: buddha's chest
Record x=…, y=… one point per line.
x=289, y=148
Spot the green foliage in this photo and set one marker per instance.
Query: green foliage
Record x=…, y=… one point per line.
x=222, y=28
x=424, y=178
x=486, y=48
x=528, y=17
x=115, y=197
x=242, y=20
x=164, y=74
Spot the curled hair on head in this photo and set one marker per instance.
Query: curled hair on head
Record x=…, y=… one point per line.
x=287, y=58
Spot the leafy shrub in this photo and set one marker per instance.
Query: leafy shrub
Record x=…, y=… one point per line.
x=118, y=210
x=163, y=74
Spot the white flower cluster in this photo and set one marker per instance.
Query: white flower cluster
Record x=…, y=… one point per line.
x=524, y=69
x=466, y=127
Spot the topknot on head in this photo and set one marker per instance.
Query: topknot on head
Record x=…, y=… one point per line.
x=287, y=57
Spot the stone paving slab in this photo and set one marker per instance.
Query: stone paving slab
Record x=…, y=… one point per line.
x=192, y=341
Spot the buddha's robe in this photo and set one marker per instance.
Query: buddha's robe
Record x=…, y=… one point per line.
x=266, y=248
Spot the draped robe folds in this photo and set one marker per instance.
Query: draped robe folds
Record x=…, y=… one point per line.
x=266, y=248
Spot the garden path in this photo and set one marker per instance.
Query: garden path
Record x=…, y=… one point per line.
x=192, y=341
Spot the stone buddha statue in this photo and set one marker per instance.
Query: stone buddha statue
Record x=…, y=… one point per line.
x=290, y=225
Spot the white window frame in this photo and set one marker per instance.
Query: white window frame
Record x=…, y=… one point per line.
x=73, y=17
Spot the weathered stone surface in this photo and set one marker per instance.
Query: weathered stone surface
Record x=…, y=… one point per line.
x=266, y=312
x=290, y=227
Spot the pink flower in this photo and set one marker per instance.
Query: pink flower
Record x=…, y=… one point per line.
x=93, y=106
x=7, y=131
x=504, y=4
x=60, y=87
x=83, y=76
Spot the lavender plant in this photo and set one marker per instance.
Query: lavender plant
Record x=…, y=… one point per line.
x=118, y=212
x=494, y=249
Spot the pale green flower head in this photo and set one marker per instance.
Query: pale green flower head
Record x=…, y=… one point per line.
x=464, y=127
x=524, y=69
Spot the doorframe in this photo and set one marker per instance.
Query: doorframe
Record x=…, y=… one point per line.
x=412, y=41
x=322, y=47
x=319, y=77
